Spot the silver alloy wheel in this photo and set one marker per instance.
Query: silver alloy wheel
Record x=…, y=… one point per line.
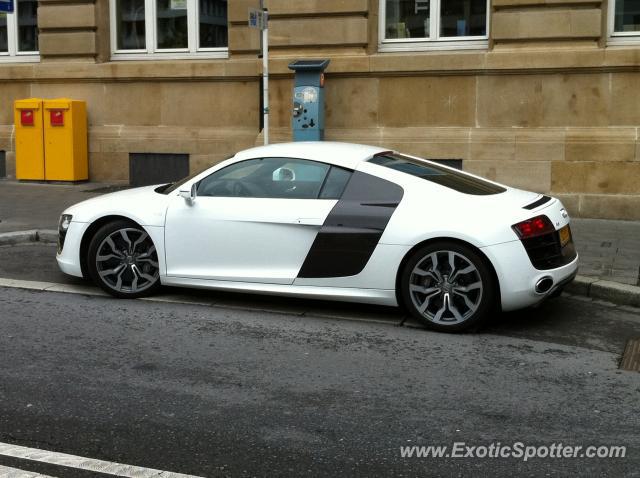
x=127, y=261
x=445, y=287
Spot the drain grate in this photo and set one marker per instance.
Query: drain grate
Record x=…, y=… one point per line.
x=631, y=357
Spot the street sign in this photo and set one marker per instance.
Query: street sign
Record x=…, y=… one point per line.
x=6, y=6
x=257, y=19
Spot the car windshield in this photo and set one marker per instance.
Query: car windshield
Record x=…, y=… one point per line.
x=170, y=187
x=441, y=175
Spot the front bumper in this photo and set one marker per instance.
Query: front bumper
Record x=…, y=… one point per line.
x=69, y=258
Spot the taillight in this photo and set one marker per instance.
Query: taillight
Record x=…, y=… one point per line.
x=536, y=226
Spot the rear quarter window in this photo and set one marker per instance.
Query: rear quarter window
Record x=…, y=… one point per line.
x=458, y=181
x=335, y=183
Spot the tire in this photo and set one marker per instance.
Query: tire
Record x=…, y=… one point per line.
x=122, y=260
x=436, y=296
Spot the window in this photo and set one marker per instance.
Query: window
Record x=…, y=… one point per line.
x=336, y=182
x=624, y=21
x=433, y=24
x=169, y=28
x=441, y=175
x=19, y=32
x=275, y=178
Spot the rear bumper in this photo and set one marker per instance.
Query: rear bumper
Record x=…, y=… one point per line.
x=560, y=285
x=518, y=277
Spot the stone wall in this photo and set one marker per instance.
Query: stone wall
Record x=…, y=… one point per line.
x=208, y=110
x=548, y=106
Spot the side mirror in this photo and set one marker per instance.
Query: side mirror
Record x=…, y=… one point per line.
x=189, y=195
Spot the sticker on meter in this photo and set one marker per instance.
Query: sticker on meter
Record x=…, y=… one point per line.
x=309, y=95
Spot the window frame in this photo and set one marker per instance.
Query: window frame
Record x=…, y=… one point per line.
x=151, y=52
x=619, y=38
x=13, y=55
x=320, y=190
x=434, y=41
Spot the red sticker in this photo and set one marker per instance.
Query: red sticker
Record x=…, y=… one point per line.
x=57, y=117
x=26, y=117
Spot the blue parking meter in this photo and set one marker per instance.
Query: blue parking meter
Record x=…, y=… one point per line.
x=308, y=100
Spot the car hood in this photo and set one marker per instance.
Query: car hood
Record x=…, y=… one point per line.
x=509, y=205
x=518, y=197
x=503, y=210
x=142, y=205
x=477, y=219
x=511, y=201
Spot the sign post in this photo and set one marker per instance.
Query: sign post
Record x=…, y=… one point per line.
x=6, y=6
x=259, y=19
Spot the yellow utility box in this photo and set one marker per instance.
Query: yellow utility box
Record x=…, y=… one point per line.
x=65, y=140
x=28, y=116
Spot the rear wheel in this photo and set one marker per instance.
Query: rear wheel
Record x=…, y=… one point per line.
x=448, y=287
x=123, y=260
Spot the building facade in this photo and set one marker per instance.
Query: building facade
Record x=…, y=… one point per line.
x=538, y=94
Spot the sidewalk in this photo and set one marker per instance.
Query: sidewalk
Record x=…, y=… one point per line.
x=609, y=250
x=26, y=206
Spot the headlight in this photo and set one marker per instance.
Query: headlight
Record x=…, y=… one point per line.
x=65, y=221
x=63, y=226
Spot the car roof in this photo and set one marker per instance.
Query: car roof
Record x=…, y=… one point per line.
x=347, y=155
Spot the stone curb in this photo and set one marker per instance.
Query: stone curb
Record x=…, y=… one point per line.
x=25, y=237
x=615, y=292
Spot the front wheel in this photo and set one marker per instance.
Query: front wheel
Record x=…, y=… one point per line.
x=123, y=260
x=448, y=287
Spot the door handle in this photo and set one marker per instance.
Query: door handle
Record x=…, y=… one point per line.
x=310, y=221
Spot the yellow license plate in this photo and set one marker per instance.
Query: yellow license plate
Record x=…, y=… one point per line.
x=565, y=235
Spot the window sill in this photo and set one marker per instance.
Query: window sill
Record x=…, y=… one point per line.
x=201, y=55
x=30, y=58
x=624, y=40
x=404, y=46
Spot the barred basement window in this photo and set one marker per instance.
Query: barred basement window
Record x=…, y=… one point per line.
x=624, y=21
x=169, y=28
x=19, y=32
x=433, y=24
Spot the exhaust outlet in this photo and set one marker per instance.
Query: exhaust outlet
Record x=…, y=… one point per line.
x=544, y=285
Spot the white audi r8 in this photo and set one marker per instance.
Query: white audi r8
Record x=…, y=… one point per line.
x=332, y=221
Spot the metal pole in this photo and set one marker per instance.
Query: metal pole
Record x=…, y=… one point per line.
x=265, y=74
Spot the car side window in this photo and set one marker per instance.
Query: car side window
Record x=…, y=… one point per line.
x=267, y=178
x=335, y=183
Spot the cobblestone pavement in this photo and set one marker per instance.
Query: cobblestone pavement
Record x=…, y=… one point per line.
x=608, y=249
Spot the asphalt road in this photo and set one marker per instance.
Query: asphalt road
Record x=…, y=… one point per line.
x=223, y=391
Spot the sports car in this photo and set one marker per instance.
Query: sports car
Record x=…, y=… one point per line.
x=331, y=221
